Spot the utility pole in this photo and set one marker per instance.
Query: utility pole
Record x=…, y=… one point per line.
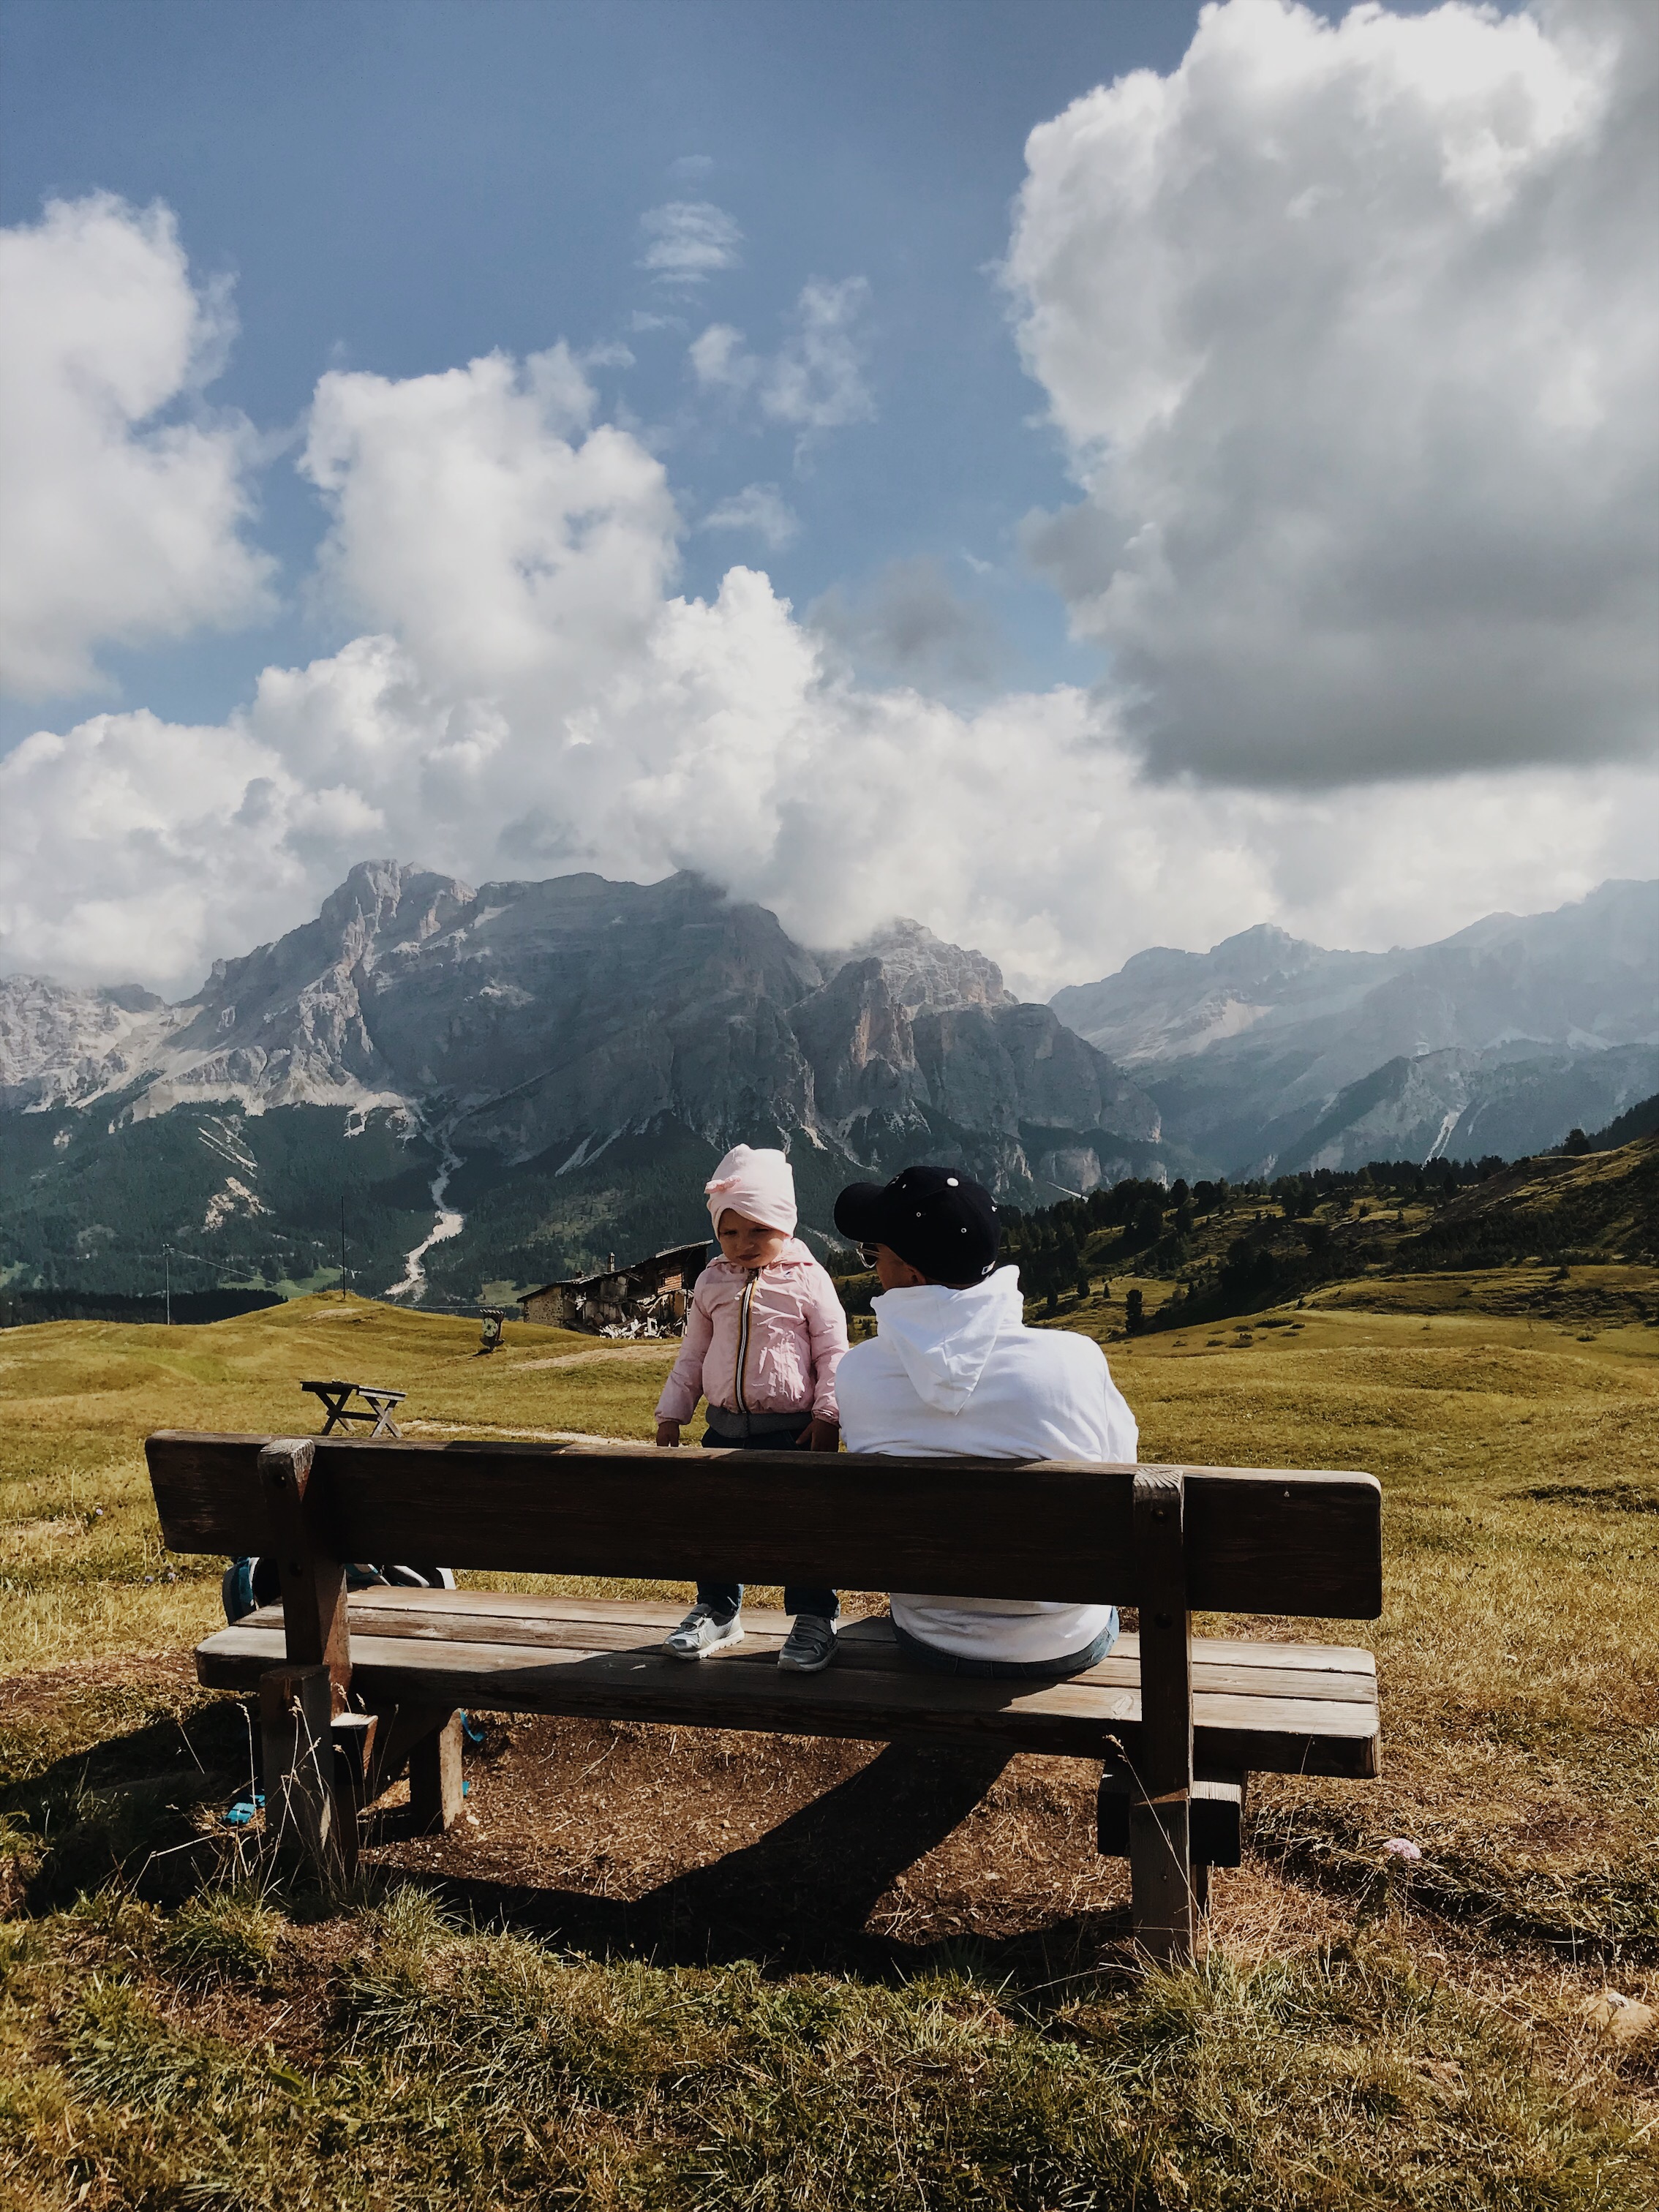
x=167, y=1280
x=342, y=1247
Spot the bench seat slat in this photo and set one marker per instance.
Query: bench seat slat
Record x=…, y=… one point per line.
x=532, y=1607
x=877, y=1696
x=1272, y=1670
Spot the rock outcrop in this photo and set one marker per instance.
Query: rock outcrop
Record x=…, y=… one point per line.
x=924, y=973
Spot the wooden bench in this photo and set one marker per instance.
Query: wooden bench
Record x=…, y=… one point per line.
x=350, y=1689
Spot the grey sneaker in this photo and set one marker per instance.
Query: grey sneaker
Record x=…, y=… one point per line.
x=809, y=1646
x=700, y=1633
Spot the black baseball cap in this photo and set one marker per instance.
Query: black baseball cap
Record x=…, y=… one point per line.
x=943, y=1223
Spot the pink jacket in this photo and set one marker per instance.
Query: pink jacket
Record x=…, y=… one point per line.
x=765, y=1340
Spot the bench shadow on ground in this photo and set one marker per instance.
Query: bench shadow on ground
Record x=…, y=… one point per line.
x=802, y=1895
x=126, y=1809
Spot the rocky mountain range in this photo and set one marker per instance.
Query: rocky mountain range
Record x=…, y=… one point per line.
x=471, y=1089
x=553, y=1054
x=1267, y=1053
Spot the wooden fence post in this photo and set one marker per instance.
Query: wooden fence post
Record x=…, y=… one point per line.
x=1160, y=1805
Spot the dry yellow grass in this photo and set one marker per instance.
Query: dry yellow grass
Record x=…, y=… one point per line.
x=1519, y=1653
x=1519, y=1645
x=79, y=1397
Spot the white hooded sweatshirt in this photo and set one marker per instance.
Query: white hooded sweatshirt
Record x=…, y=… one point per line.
x=958, y=1371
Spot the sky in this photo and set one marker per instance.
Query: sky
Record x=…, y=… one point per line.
x=1085, y=475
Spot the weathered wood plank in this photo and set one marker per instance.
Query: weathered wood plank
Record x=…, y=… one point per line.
x=1331, y=1658
x=435, y=1788
x=744, y=1689
x=1280, y=1542
x=667, y=1612
x=529, y=1614
x=867, y=1644
x=1161, y=1768
x=313, y=1578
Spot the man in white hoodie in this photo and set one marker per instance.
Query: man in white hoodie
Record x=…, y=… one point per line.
x=953, y=1369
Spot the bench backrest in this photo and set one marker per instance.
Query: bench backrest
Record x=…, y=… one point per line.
x=1255, y=1539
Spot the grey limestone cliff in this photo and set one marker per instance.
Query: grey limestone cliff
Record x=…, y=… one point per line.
x=1267, y=1053
x=518, y=1018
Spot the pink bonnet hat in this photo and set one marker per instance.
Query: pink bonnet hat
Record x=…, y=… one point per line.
x=759, y=1184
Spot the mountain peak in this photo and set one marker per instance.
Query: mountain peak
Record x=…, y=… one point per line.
x=396, y=899
x=1262, y=940
x=924, y=973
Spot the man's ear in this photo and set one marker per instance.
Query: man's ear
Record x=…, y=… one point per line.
x=902, y=1275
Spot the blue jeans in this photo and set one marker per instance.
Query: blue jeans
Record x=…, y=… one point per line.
x=1009, y=1670
x=724, y=1599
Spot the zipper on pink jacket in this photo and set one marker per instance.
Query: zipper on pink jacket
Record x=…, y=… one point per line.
x=743, y=1342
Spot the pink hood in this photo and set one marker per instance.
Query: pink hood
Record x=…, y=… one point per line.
x=765, y=1340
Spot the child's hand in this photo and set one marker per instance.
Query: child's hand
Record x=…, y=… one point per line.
x=668, y=1432
x=821, y=1435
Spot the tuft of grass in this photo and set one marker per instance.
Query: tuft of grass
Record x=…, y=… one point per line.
x=229, y=1935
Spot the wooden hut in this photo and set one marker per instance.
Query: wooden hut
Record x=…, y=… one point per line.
x=648, y=1297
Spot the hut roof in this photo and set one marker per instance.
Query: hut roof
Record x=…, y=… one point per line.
x=700, y=1247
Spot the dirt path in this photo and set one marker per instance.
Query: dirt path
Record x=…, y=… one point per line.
x=514, y=1431
x=642, y=1353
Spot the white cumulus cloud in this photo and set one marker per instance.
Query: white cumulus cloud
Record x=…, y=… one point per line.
x=714, y=735
x=532, y=694
x=760, y=507
x=119, y=524
x=477, y=513
x=688, y=241
x=1353, y=331
x=816, y=380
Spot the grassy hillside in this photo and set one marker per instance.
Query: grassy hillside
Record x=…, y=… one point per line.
x=1557, y=1237
x=1596, y=1206
x=1361, y=2034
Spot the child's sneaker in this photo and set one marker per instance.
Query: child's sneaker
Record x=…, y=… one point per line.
x=810, y=1645
x=699, y=1633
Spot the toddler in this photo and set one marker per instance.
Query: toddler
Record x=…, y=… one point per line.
x=763, y=1338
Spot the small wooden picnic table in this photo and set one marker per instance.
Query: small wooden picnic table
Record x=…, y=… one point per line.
x=378, y=1406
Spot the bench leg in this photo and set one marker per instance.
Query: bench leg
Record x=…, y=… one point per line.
x=434, y=1778
x=428, y=1741
x=296, y=1725
x=1214, y=1828
x=354, y=1767
x=1161, y=1875
x=1216, y=1820
x=1161, y=1797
